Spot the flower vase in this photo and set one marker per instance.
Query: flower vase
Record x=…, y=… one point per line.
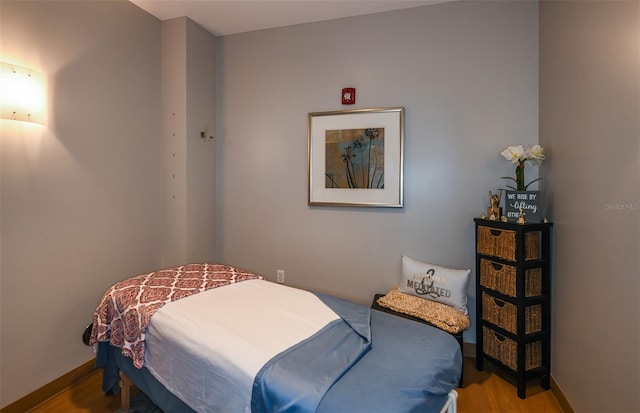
x=520, y=177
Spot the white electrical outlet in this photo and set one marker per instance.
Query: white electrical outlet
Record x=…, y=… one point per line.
x=280, y=276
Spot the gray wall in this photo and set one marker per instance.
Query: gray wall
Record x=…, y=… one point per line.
x=467, y=75
x=590, y=125
x=188, y=174
x=85, y=200
x=201, y=154
x=80, y=195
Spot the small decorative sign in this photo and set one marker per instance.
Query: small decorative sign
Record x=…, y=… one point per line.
x=527, y=201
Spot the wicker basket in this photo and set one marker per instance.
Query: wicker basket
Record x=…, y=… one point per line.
x=505, y=315
x=502, y=278
x=505, y=350
x=532, y=245
x=501, y=243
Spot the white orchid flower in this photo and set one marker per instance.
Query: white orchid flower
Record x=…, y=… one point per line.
x=516, y=154
x=534, y=155
x=535, y=152
x=513, y=154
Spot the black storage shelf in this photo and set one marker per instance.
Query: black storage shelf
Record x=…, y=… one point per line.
x=538, y=299
x=527, y=338
x=520, y=346
x=526, y=265
x=528, y=375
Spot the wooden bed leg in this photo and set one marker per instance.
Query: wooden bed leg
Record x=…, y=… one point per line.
x=125, y=392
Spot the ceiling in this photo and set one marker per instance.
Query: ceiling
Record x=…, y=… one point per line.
x=223, y=17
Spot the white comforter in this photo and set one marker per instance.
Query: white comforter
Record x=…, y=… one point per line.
x=222, y=337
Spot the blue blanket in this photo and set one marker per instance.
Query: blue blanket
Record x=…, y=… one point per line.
x=297, y=379
x=410, y=368
x=339, y=370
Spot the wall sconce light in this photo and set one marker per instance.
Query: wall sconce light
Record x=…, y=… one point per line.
x=204, y=135
x=22, y=94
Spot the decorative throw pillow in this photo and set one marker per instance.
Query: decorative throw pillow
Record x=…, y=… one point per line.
x=432, y=282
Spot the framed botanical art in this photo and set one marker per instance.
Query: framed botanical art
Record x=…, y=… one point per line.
x=356, y=157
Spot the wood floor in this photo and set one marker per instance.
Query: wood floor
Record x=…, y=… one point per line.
x=482, y=392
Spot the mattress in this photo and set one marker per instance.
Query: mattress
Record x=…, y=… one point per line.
x=221, y=338
x=212, y=352
x=392, y=378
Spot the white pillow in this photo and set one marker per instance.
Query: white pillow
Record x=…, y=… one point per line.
x=443, y=285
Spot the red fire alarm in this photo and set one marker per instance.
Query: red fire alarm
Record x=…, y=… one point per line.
x=348, y=96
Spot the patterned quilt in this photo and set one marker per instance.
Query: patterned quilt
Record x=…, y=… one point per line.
x=124, y=312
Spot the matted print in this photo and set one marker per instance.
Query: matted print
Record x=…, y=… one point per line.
x=355, y=157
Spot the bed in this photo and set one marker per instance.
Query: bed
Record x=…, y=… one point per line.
x=213, y=338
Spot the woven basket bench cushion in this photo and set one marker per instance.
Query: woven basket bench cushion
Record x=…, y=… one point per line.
x=440, y=315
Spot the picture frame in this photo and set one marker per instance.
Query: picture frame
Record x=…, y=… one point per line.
x=355, y=157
